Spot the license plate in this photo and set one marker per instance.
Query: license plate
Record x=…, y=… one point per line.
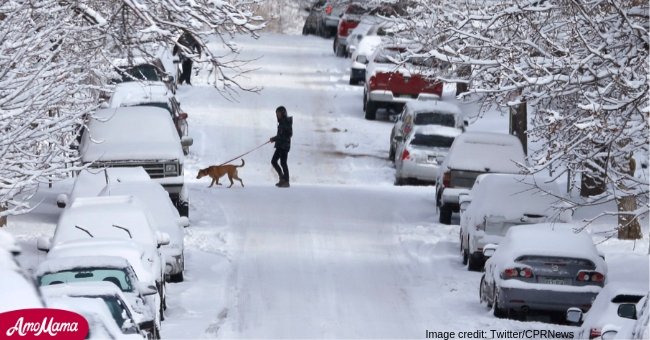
x=431, y=159
x=562, y=282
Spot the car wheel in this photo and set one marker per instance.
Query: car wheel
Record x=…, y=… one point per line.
x=465, y=254
x=498, y=311
x=371, y=110
x=445, y=214
x=365, y=98
x=340, y=51
x=474, y=264
x=483, y=293
x=335, y=44
x=178, y=277
x=391, y=154
x=399, y=181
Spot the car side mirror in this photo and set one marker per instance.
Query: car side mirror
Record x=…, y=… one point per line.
x=399, y=138
x=489, y=249
x=147, y=289
x=62, y=200
x=464, y=200
x=627, y=311
x=574, y=315
x=182, y=116
x=44, y=243
x=163, y=238
x=183, y=222
x=362, y=59
x=187, y=141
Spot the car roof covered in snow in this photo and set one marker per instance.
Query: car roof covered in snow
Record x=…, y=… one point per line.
x=604, y=311
x=8, y=243
x=55, y=265
x=135, y=93
x=95, y=311
x=114, y=132
x=18, y=291
x=103, y=217
x=90, y=182
x=417, y=106
x=512, y=196
x=547, y=239
x=486, y=152
x=368, y=44
x=436, y=130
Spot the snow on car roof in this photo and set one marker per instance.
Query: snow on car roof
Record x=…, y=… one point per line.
x=437, y=130
x=94, y=310
x=486, y=152
x=511, y=196
x=548, y=239
x=113, y=132
x=55, y=265
x=99, y=216
x=133, y=61
x=91, y=181
x=418, y=106
x=368, y=44
x=18, y=291
x=7, y=242
x=134, y=93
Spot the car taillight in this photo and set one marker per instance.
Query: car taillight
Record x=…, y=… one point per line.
x=446, y=179
x=328, y=9
x=372, y=82
x=405, y=154
x=437, y=88
x=510, y=273
x=590, y=276
x=594, y=333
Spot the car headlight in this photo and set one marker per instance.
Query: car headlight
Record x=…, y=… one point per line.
x=170, y=167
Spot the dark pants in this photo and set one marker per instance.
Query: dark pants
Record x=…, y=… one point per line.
x=281, y=154
x=187, y=71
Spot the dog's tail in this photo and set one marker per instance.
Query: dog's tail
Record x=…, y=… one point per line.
x=242, y=164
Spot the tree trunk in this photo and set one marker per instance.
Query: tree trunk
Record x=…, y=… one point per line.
x=592, y=183
x=3, y=219
x=464, y=71
x=628, y=225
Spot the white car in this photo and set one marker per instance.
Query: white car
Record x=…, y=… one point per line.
x=360, y=58
x=543, y=267
x=497, y=202
x=615, y=308
x=422, y=152
x=139, y=136
x=20, y=290
x=165, y=218
x=125, y=317
x=94, y=310
x=142, y=297
x=416, y=113
x=472, y=154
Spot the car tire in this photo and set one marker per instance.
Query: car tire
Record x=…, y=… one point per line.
x=178, y=277
x=497, y=311
x=445, y=214
x=399, y=181
x=482, y=293
x=474, y=264
x=340, y=51
x=391, y=154
x=371, y=110
x=465, y=254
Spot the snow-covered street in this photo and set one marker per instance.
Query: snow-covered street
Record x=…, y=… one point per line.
x=343, y=253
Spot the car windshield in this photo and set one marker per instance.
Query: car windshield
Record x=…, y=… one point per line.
x=435, y=118
x=434, y=141
x=390, y=56
x=140, y=72
x=117, y=276
x=160, y=105
x=355, y=10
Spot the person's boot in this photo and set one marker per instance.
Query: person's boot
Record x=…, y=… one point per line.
x=283, y=184
x=278, y=183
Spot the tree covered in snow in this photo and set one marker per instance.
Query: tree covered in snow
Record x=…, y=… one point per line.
x=56, y=57
x=581, y=65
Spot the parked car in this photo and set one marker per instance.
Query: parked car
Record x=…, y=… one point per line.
x=165, y=219
x=394, y=77
x=416, y=113
x=544, y=267
x=314, y=22
x=101, y=324
x=497, y=202
x=350, y=19
x=323, y=18
x=472, y=154
x=143, y=69
x=360, y=56
x=614, y=308
x=356, y=35
x=422, y=152
x=112, y=138
x=155, y=95
x=20, y=290
x=125, y=317
x=142, y=297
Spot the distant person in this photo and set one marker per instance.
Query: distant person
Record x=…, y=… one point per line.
x=282, y=142
x=189, y=47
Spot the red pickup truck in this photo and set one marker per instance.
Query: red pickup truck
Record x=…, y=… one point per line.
x=392, y=80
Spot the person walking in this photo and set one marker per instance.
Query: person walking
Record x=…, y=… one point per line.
x=282, y=142
x=185, y=47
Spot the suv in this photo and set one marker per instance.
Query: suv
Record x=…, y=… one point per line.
x=116, y=138
x=349, y=21
x=393, y=79
x=472, y=154
x=143, y=69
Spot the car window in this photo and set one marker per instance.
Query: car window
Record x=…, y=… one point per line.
x=436, y=118
x=140, y=72
x=117, y=276
x=117, y=310
x=627, y=298
x=434, y=141
x=389, y=55
x=160, y=105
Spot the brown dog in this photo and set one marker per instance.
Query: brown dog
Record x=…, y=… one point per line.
x=216, y=171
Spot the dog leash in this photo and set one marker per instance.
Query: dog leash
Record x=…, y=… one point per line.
x=244, y=154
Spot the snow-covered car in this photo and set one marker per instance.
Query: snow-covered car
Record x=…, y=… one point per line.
x=366, y=48
x=117, y=218
x=394, y=76
x=314, y=22
x=101, y=324
x=19, y=289
x=497, y=202
x=355, y=37
x=151, y=94
x=125, y=317
x=472, y=154
x=116, y=138
x=165, y=218
x=417, y=113
x=543, y=267
x=614, y=308
x=142, y=297
x=349, y=21
x=422, y=152
x=141, y=69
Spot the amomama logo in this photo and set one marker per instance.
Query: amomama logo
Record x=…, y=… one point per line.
x=42, y=323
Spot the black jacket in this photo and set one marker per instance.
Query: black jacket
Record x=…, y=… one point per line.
x=285, y=131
